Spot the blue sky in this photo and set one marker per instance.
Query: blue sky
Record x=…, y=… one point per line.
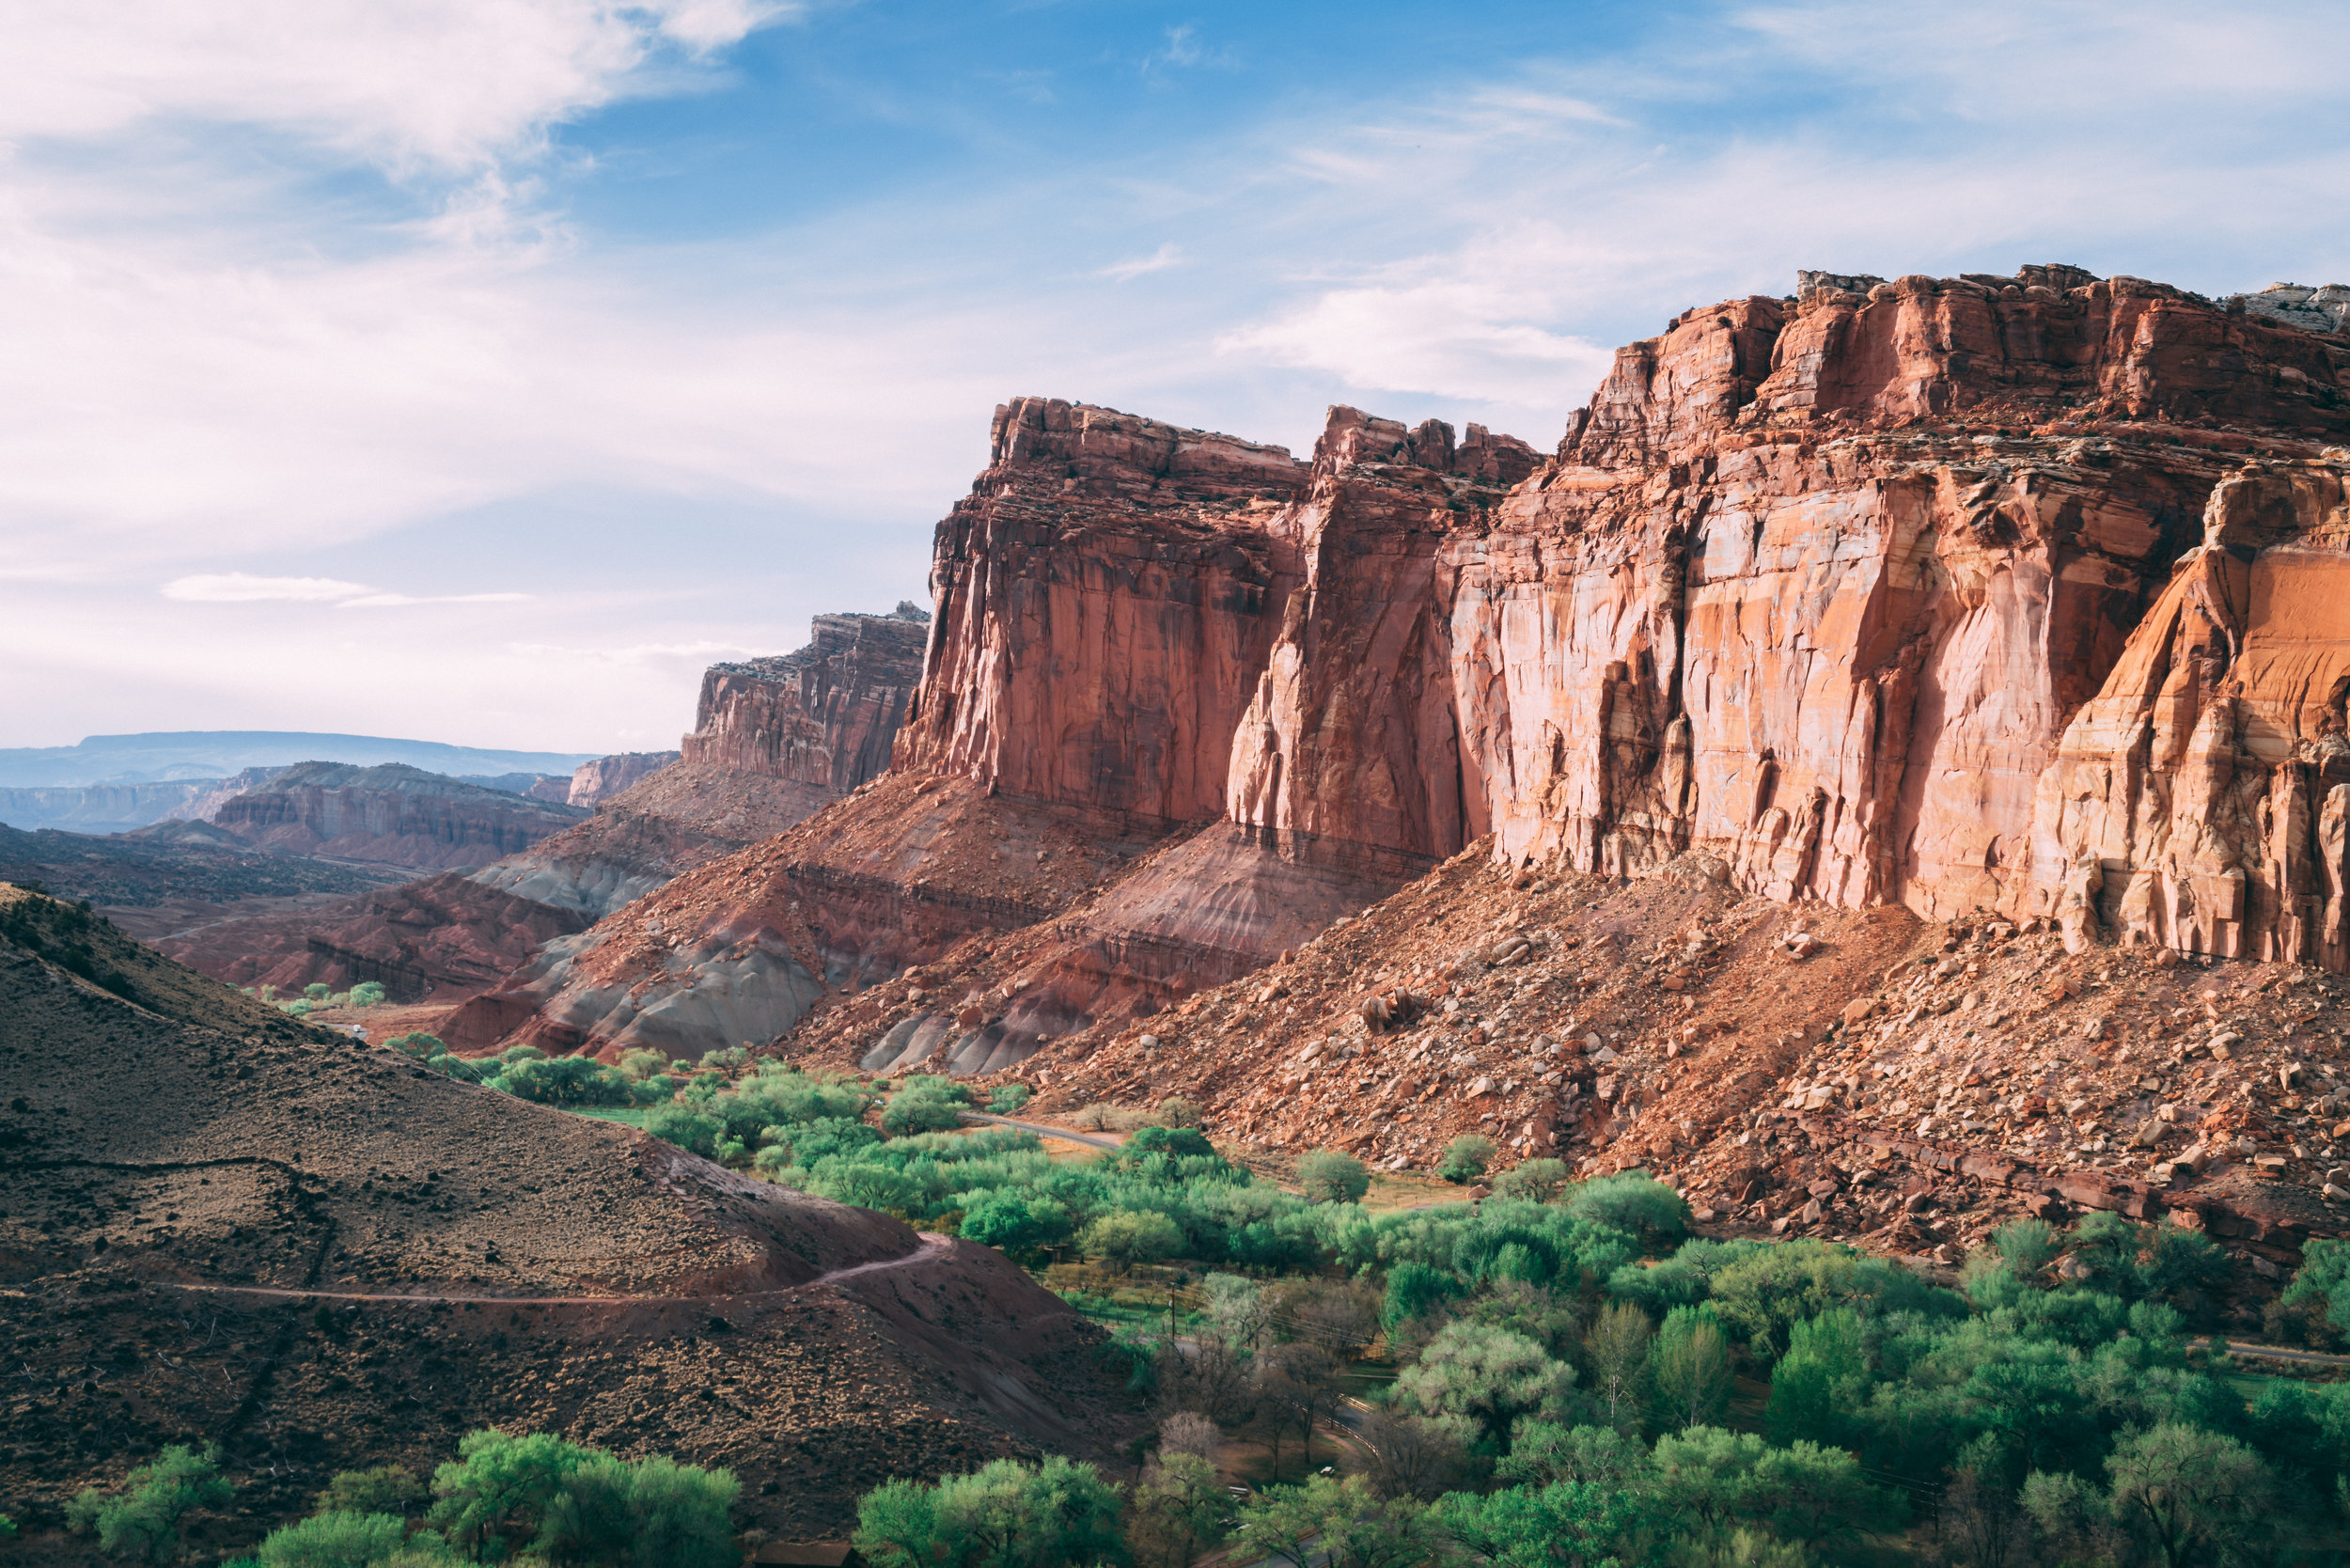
x=479, y=370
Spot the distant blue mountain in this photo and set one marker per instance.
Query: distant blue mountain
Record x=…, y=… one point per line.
x=217, y=753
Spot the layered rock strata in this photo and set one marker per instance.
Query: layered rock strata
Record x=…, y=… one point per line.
x=1814, y=585
x=391, y=814
x=824, y=717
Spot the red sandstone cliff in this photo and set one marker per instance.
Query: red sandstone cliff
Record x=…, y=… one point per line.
x=824, y=716
x=1821, y=588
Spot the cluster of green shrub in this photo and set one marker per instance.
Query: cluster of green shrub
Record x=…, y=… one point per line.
x=1566, y=1399
x=504, y=1499
x=319, y=995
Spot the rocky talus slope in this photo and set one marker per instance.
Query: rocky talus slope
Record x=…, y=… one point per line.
x=222, y=1226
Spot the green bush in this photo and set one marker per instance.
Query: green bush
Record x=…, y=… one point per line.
x=1466, y=1156
x=318, y=991
x=1534, y=1181
x=1482, y=1379
x=564, y=1081
x=1015, y=1222
x=143, y=1519
x=367, y=993
x=1638, y=1205
x=1008, y=1514
x=294, y=1010
x=572, y=1504
x=912, y=1111
x=1129, y=1237
x=336, y=1539
x=1007, y=1099
x=1183, y=1143
x=420, y=1044
x=1327, y=1176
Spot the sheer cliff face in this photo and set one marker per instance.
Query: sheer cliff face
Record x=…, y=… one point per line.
x=1814, y=588
x=824, y=717
x=1102, y=600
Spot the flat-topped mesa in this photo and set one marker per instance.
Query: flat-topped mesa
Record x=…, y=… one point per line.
x=392, y=813
x=2050, y=342
x=826, y=715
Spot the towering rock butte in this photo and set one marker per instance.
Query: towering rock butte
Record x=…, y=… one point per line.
x=1997, y=592
x=824, y=717
x=600, y=778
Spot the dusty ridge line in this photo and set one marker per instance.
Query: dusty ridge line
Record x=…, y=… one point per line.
x=934, y=1247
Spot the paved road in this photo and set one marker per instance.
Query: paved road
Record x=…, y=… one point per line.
x=932, y=1246
x=1043, y=1130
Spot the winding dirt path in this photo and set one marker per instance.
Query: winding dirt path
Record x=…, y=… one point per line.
x=934, y=1247
x=1044, y=1130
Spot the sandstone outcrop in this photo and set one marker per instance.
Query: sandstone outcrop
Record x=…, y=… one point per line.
x=392, y=814
x=1817, y=586
x=826, y=715
x=597, y=782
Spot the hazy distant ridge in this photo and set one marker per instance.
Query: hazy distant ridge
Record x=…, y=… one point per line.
x=216, y=753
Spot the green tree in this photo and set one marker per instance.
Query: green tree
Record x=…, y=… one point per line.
x=1483, y=1379
x=1343, y=1524
x=1825, y=1372
x=1176, y=1510
x=1128, y=1236
x=2186, y=1491
x=496, y=1491
x=1689, y=1369
x=318, y=991
x=1818, y=1495
x=1007, y=1099
x=145, y=1517
x=1327, y=1176
x=2323, y=1280
x=910, y=1112
x=1014, y=1221
x=1008, y=1514
x=1543, y=1453
x=1705, y=1473
x=1413, y=1291
x=1637, y=1205
x=648, y=1511
x=1466, y=1156
x=1533, y=1181
x=1568, y=1523
x=367, y=993
x=1616, y=1350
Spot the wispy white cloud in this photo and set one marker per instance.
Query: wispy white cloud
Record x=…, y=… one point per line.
x=405, y=82
x=386, y=601
x=239, y=588
x=632, y=655
x=1159, y=261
